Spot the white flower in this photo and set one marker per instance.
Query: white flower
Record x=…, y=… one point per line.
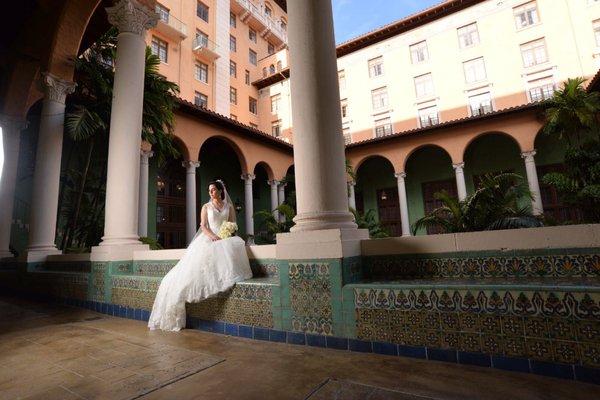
x=228, y=229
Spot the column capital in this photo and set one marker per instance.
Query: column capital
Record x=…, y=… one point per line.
x=460, y=165
x=528, y=155
x=274, y=182
x=248, y=177
x=400, y=175
x=55, y=88
x=131, y=16
x=12, y=123
x=351, y=183
x=146, y=153
x=190, y=164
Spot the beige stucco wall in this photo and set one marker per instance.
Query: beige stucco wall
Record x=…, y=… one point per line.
x=556, y=237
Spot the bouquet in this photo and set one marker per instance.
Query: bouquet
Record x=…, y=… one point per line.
x=228, y=229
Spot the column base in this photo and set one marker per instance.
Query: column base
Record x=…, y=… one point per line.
x=6, y=254
x=120, y=252
x=318, y=221
x=39, y=253
x=321, y=244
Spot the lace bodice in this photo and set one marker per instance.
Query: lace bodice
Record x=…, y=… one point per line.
x=216, y=217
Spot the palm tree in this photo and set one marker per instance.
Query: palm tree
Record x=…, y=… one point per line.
x=572, y=112
x=494, y=205
x=87, y=123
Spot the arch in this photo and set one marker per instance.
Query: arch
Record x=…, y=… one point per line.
x=271, y=69
x=368, y=157
x=264, y=72
x=232, y=144
x=488, y=133
x=183, y=149
x=421, y=147
x=266, y=167
x=279, y=66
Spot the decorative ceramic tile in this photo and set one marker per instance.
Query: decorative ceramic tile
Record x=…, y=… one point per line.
x=265, y=268
x=150, y=268
x=310, y=297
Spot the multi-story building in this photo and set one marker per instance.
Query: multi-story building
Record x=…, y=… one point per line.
x=214, y=50
x=454, y=60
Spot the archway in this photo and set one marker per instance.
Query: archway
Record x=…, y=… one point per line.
x=428, y=171
x=170, y=204
x=492, y=153
x=550, y=156
x=218, y=160
x=377, y=190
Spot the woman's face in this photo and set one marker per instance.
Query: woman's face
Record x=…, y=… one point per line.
x=215, y=194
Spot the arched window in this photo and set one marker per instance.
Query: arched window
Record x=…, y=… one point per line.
x=264, y=72
x=279, y=65
x=272, y=69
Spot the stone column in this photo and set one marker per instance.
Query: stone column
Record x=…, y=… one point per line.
x=534, y=184
x=351, y=195
x=46, y=176
x=318, y=145
x=459, y=171
x=274, y=198
x=145, y=155
x=249, y=204
x=11, y=131
x=191, y=222
x=403, y=203
x=120, y=225
x=281, y=199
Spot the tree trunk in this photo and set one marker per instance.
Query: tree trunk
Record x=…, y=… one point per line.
x=80, y=193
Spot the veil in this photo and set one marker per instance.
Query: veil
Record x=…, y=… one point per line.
x=226, y=203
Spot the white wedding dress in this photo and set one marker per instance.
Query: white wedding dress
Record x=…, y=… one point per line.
x=205, y=269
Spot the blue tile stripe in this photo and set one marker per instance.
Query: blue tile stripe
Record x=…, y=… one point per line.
x=564, y=371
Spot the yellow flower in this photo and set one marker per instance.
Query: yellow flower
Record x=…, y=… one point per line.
x=228, y=229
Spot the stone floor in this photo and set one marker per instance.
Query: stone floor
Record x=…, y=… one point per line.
x=56, y=352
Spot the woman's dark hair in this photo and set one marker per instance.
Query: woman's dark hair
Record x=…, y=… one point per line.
x=219, y=186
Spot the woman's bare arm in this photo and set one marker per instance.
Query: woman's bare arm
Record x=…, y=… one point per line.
x=204, y=224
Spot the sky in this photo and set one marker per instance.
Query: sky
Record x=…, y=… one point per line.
x=355, y=17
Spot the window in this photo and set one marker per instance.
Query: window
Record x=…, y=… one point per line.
x=163, y=13
x=233, y=117
x=534, y=53
x=541, y=89
x=232, y=44
x=468, y=36
x=283, y=25
x=480, y=104
x=271, y=69
x=596, y=26
x=383, y=127
x=347, y=135
x=202, y=11
x=376, y=67
x=247, y=77
x=342, y=79
x=271, y=49
x=428, y=116
x=474, y=70
x=276, y=128
x=264, y=72
x=344, y=107
x=160, y=48
x=279, y=66
x=252, y=57
x=268, y=11
x=526, y=15
x=379, y=98
x=254, y=126
x=232, y=95
x=252, y=35
x=424, y=85
x=232, y=20
x=419, y=52
x=201, y=39
x=275, y=103
x=252, y=105
x=200, y=100
x=232, y=69
x=201, y=72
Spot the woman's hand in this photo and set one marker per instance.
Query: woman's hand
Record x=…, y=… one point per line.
x=214, y=237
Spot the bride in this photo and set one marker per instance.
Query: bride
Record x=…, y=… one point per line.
x=210, y=265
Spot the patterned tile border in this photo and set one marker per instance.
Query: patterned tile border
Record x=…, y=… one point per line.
x=486, y=264
x=557, y=370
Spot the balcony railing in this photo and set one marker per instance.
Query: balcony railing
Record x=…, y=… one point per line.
x=429, y=120
x=170, y=26
x=481, y=110
x=268, y=23
x=205, y=47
